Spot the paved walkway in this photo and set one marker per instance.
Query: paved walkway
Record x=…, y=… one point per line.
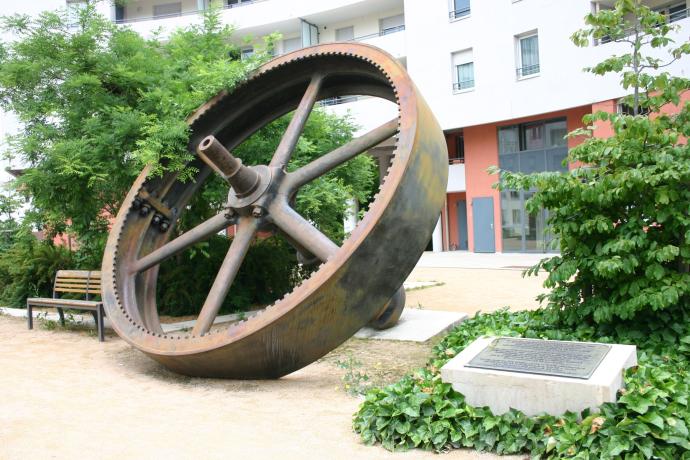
x=475, y=282
x=465, y=259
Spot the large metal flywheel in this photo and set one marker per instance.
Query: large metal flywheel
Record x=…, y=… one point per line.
x=356, y=283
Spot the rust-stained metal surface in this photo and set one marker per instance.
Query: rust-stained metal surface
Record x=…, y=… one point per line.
x=356, y=284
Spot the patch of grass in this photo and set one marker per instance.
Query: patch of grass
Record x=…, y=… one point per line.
x=355, y=381
x=71, y=324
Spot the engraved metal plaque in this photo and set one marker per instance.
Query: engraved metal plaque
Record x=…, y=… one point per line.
x=547, y=357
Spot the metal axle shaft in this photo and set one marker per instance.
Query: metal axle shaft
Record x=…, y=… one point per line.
x=244, y=180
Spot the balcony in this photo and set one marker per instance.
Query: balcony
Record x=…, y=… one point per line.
x=390, y=40
x=456, y=178
x=141, y=11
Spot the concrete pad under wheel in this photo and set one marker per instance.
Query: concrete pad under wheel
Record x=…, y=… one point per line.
x=416, y=326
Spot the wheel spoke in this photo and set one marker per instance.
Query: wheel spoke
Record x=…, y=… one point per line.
x=246, y=231
x=182, y=242
x=299, y=119
x=329, y=161
x=302, y=231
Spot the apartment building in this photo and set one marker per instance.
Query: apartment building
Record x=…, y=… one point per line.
x=502, y=76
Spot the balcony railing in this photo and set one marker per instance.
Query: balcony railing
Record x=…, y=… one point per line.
x=526, y=71
x=670, y=17
x=337, y=100
x=463, y=85
x=461, y=13
x=380, y=33
x=673, y=16
x=181, y=13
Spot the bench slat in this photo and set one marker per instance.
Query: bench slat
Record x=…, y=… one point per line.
x=67, y=303
x=78, y=281
x=78, y=274
x=78, y=291
x=76, y=285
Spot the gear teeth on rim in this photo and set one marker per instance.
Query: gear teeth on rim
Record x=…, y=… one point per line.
x=201, y=114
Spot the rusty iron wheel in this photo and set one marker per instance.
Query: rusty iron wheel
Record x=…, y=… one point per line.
x=355, y=281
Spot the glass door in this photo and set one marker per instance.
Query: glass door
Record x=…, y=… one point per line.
x=522, y=231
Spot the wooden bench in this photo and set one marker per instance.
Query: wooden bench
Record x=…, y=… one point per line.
x=77, y=282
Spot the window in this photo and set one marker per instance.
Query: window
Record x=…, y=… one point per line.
x=119, y=13
x=465, y=76
x=310, y=34
x=391, y=24
x=167, y=9
x=533, y=147
x=463, y=68
x=459, y=9
x=234, y=3
x=247, y=52
x=459, y=156
x=292, y=44
x=528, y=55
x=529, y=147
x=345, y=34
x=626, y=109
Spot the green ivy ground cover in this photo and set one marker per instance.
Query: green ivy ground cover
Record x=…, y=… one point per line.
x=649, y=420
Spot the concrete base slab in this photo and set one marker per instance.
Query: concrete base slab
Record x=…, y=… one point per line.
x=416, y=326
x=532, y=393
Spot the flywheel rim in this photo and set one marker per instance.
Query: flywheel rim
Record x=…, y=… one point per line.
x=203, y=355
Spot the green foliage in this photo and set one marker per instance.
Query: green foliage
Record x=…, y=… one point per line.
x=323, y=200
x=9, y=226
x=269, y=271
x=28, y=267
x=649, y=420
x=97, y=102
x=355, y=381
x=621, y=217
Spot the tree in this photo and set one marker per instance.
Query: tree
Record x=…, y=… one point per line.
x=621, y=218
x=9, y=205
x=98, y=102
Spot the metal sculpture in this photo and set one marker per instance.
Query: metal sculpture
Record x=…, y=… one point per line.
x=356, y=283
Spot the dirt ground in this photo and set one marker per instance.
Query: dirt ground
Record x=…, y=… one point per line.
x=65, y=395
x=469, y=289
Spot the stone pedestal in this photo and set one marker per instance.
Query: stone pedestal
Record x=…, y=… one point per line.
x=531, y=393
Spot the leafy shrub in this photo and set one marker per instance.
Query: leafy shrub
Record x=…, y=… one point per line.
x=269, y=271
x=621, y=215
x=649, y=420
x=28, y=267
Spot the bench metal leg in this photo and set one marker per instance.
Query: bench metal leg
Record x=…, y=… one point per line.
x=29, y=316
x=99, y=323
x=62, y=316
